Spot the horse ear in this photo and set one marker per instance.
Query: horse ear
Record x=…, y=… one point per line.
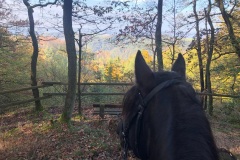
x=179, y=66
x=143, y=73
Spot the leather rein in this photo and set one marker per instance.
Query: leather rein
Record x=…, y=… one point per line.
x=141, y=108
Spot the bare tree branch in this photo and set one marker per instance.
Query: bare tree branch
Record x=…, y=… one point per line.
x=43, y=5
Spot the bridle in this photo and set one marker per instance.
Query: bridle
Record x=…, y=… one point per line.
x=138, y=116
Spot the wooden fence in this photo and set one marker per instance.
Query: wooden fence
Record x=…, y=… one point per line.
x=81, y=94
x=119, y=93
x=3, y=106
x=88, y=93
x=49, y=95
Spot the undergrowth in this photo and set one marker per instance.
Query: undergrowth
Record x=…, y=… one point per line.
x=26, y=134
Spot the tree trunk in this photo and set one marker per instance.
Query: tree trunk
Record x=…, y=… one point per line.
x=232, y=36
x=158, y=36
x=79, y=73
x=174, y=31
x=72, y=62
x=209, y=60
x=154, y=58
x=34, y=57
x=199, y=50
x=206, y=52
x=154, y=53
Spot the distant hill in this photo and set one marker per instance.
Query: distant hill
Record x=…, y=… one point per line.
x=106, y=43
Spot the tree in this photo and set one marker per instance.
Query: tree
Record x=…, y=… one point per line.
x=140, y=28
x=12, y=60
x=158, y=35
x=79, y=42
x=14, y=53
x=209, y=57
x=98, y=22
x=72, y=62
x=144, y=26
x=5, y=12
x=226, y=16
x=198, y=47
x=34, y=58
x=177, y=27
x=35, y=91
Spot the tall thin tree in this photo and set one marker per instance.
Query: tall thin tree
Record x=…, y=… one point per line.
x=35, y=91
x=72, y=62
x=199, y=48
x=209, y=58
x=34, y=59
x=228, y=23
x=79, y=42
x=158, y=35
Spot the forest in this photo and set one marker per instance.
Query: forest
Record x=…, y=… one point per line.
x=75, y=42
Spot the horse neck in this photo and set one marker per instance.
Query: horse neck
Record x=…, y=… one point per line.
x=178, y=129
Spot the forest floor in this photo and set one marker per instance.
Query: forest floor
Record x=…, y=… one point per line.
x=25, y=134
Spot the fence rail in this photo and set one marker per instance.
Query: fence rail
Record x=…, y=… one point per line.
x=218, y=95
x=3, y=106
x=24, y=101
x=92, y=93
x=49, y=95
x=122, y=93
x=23, y=89
x=86, y=94
x=88, y=83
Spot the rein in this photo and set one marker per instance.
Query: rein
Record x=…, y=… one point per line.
x=141, y=108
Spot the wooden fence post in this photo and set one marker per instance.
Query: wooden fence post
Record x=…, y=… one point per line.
x=101, y=111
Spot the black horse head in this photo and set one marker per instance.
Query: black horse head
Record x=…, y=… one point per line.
x=162, y=118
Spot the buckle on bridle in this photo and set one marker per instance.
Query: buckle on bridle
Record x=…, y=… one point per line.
x=141, y=99
x=140, y=109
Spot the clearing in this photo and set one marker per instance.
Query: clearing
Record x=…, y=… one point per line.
x=25, y=134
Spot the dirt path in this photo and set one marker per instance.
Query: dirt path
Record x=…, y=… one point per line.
x=226, y=136
x=27, y=135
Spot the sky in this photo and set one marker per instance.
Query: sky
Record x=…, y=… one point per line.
x=50, y=16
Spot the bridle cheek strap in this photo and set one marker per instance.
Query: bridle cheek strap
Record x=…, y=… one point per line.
x=158, y=88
